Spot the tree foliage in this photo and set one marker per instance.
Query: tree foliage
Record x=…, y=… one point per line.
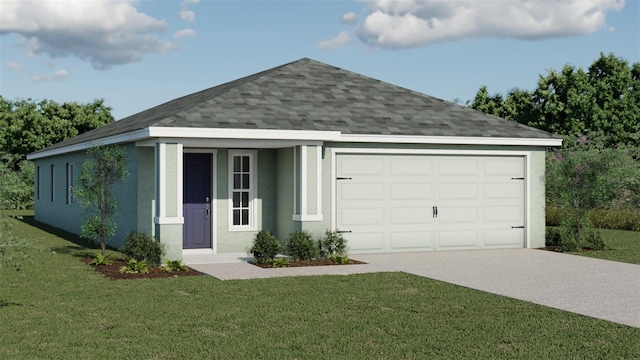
x=602, y=103
x=103, y=168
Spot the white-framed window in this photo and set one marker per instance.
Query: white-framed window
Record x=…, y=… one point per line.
x=38, y=182
x=53, y=183
x=69, y=183
x=242, y=183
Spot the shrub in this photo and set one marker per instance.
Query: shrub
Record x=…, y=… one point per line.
x=552, y=236
x=101, y=260
x=174, y=265
x=265, y=247
x=301, y=246
x=332, y=244
x=279, y=263
x=616, y=219
x=340, y=259
x=142, y=246
x=135, y=267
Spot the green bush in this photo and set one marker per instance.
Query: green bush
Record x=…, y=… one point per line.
x=174, y=265
x=301, y=246
x=142, y=246
x=625, y=219
x=265, y=247
x=340, y=259
x=332, y=244
x=100, y=259
x=554, y=215
x=135, y=267
x=279, y=263
x=552, y=236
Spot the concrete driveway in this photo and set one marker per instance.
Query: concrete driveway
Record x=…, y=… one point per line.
x=597, y=288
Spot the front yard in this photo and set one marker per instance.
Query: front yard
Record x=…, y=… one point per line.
x=57, y=307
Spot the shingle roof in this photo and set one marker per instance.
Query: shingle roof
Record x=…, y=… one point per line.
x=310, y=95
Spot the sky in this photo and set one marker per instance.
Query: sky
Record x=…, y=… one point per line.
x=138, y=54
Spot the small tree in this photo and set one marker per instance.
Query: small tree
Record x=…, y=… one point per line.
x=102, y=169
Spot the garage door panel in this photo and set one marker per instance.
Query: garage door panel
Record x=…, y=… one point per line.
x=414, y=165
x=411, y=215
x=358, y=191
x=412, y=191
x=504, y=214
x=458, y=166
x=458, y=215
x=457, y=240
x=448, y=191
x=359, y=165
x=504, y=238
x=504, y=166
x=412, y=240
x=365, y=241
x=503, y=191
x=371, y=216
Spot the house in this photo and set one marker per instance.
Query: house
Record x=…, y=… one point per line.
x=309, y=146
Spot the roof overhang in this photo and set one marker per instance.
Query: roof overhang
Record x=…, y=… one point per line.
x=262, y=138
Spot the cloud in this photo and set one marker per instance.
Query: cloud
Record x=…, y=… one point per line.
x=58, y=75
x=340, y=40
x=350, y=18
x=15, y=66
x=186, y=14
x=184, y=33
x=104, y=32
x=414, y=23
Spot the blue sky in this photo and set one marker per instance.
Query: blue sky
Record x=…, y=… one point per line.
x=138, y=54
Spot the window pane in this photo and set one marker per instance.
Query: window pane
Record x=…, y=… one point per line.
x=236, y=163
x=245, y=181
x=236, y=217
x=245, y=164
x=236, y=181
x=245, y=217
x=236, y=199
x=245, y=199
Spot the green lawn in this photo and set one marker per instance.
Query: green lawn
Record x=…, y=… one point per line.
x=59, y=308
x=624, y=247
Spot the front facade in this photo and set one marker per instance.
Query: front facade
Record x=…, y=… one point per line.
x=311, y=147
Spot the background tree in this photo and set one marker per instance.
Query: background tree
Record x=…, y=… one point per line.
x=103, y=168
x=27, y=126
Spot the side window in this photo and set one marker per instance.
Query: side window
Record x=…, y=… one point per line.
x=53, y=182
x=69, y=183
x=37, y=182
x=241, y=190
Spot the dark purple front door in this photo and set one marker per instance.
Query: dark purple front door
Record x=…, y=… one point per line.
x=196, y=232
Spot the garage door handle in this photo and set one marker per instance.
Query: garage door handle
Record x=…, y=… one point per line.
x=435, y=211
x=342, y=231
x=518, y=227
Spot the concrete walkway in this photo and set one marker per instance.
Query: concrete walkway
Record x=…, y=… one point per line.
x=597, y=288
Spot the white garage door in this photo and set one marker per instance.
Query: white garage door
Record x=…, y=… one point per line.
x=394, y=203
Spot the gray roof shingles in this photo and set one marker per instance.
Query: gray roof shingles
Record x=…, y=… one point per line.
x=310, y=95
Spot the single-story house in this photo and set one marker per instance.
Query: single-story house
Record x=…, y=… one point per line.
x=309, y=146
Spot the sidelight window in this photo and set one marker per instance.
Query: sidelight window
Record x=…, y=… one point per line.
x=241, y=188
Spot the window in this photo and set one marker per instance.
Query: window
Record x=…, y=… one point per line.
x=69, y=183
x=53, y=182
x=37, y=182
x=241, y=188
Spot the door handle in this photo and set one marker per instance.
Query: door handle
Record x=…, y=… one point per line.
x=435, y=211
x=208, y=207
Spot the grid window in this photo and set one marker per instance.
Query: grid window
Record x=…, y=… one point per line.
x=37, y=182
x=241, y=190
x=53, y=182
x=69, y=183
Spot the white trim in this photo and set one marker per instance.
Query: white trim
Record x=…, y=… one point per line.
x=295, y=186
x=161, y=169
x=214, y=201
x=303, y=180
x=203, y=251
x=207, y=143
x=319, y=181
x=180, y=179
x=295, y=136
x=253, y=191
x=114, y=139
x=168, y=220
x=306, y=217
x=526, y=154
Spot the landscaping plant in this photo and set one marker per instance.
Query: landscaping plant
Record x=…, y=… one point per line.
x=332, y=244
x=135, y=267
x=142, y=246
x=104, y=167
x=301, y=246
x=100, y=259
x=265, y=248
x=174, y=265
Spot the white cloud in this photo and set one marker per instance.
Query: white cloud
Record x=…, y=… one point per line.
x=184, y=33
x=340, y=40
x=413, y=23
x=15, y=66
x=187, y=15
x=104, y=32
x=58, y=75
x=350, y=18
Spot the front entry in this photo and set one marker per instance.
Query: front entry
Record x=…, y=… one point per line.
x=196, y=233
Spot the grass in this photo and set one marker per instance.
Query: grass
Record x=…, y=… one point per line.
x=624, y=247
x=59, y=308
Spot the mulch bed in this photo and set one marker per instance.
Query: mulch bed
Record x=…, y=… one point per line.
x=319, y=262
x=113, y=271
